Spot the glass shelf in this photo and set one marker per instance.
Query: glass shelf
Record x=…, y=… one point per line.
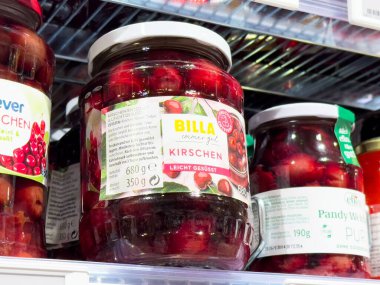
x=41, y=272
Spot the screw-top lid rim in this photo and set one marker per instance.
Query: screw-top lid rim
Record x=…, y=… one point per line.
x=135, y=32
x=321, y=110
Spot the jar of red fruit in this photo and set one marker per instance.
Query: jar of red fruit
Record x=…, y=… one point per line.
x=369, y=158
x=64, y=204
x=307, y=176
x=26, y=75
x=164, y=172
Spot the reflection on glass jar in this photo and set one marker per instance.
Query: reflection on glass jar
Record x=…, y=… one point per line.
x=164, y=162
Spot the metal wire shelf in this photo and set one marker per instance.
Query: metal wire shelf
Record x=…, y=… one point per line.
x=262, y=62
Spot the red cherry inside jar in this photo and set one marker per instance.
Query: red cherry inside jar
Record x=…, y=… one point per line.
x=305, y=171
x=369, y=156
x=164, y=163
x=26, y=76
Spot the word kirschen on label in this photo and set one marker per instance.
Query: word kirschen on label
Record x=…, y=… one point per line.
x=173, y=144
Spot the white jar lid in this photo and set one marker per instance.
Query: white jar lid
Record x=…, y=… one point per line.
x=320, y=110
x=72, y=105
x=135, y=32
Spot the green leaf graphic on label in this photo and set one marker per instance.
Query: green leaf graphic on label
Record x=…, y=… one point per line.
x=186, y=106
x=342, y=131
x=211, y=189
x=199, y=110
x=187, y=103
x=47, y=136
x=215, y=113
x=180, y=99
x=172, y=187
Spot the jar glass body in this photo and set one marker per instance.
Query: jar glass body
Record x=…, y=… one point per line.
x=26, y=74
x=191, y=228
x=303, y=154
x=370, y=163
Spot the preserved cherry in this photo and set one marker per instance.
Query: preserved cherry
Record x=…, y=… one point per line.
x=303, y=159
x=368, y=152
x=185, y=212
x=26, y=76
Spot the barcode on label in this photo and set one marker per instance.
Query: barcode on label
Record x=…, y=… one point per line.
x=372, y=13
x=371, y=8
x=364, y=13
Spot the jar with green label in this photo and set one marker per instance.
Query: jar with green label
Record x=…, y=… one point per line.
x=306, y=174
x=164, y=161
x=26, y=76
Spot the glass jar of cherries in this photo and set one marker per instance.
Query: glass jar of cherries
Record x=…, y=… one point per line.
x=62, y=241
x=26, y=76
x=306, y=174
x=164, y=162
x=368, y=152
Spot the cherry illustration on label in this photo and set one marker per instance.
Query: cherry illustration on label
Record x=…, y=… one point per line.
x=30, y=159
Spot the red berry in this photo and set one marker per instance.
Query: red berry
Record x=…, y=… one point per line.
x=298, y=170
x=20, y=168
x=36, y=171
x=224, y=186
x=192, y=237
x=236, y=134
x=25, y=148
x=42, y=127
x=232, y=143
x=233, y=159
x=242, y=138
x=202, y=180
x=261, y=180
x=43, y=163
x=123, y=81
x=166, y=79
x=335, y=176
x=34, y=148
x=32, y=47
x=18, y=155
x=30, y=160
x=5, y=160
x=36, y=129
x=29, y=197
x=240, y=149
x=339, y=264
x=204, y=77
x=290, y=263
x=97, y=228
x=172, y=174
x=172, y=107
x=277, y=151
x=321, y=141
x=90, y=199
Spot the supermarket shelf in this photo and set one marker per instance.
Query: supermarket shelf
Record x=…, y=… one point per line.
x=58, y=272
x=262, y=62
x=324, y=23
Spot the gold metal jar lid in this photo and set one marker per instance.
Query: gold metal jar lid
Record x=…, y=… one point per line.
x=368, y=146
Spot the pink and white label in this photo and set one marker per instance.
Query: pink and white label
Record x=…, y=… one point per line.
x=151, y=149
x=225, y=121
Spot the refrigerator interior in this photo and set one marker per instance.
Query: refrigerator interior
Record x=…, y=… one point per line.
x=279, y=56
